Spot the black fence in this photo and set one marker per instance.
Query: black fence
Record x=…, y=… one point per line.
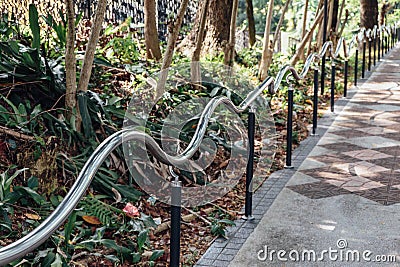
x=117, y=11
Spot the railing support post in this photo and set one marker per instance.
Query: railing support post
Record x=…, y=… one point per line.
x=289, y=129
x=379, y=48
x=251, y=121
x=383, y=44
x=387, y=44
x=375, y=51
x=315, y=102
x=346, y=74
x=333, y=74
x=356, y=67
x=369, y=54
x=323, y=63
x=363, y=59
x=175, y=241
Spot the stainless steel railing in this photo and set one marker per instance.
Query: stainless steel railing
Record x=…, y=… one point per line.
x=35, y=238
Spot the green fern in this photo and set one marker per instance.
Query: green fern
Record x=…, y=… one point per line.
x=103, y=211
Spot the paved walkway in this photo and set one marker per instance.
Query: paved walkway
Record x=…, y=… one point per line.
x=340, y=206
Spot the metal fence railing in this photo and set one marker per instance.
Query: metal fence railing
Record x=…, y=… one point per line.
x=385, y=36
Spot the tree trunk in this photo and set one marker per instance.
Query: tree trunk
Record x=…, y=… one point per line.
x=91, y=46
x=267, y=52
x=173, y=35
x=169, y=52
x=195, y=67
x=250, y=19
x=301, y=46
x=384, y=10
x=70, y=60
x=150, y=30
x=217, y=28
x=340, y=15
x=201, y=32
x=230, y=47
x=278, y=27
x=333, y=19
x=70, y=67
x=304, y=27
x=369, y=13
x=320, y=27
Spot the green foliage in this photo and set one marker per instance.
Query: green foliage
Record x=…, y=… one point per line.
x=34, y=25
x=60, y=28
x=218, y=226
x=5, y=182
x=120, y=45
x=92, y=205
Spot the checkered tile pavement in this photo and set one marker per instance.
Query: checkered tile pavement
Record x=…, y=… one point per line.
x=360, y=152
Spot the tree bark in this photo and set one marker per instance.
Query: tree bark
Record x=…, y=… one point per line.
x=317, y=20
x=340, y=15
x=335, y=14
x=201, y=32
x=150, y=30
x=384, y=10
x=278, y=27
x=195, y=67
x=169, y=52
x=267, y=52
x=217, y=28
x=91, y=46
x=369, y=13
x=70, y=60
x=250, y=19
x=304, y=27
x=70, y=66
x=230, y=47
x=173, y=35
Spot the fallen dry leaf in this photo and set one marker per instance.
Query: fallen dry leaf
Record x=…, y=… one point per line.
x=91, y=219
x=32, y=216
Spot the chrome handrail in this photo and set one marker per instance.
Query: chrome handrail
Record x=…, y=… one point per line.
x=41, y=233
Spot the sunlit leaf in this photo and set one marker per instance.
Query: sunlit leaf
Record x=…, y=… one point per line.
x=91, y=219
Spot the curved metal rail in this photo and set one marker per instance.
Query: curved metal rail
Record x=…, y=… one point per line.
x=36, y=237
x=77, y=191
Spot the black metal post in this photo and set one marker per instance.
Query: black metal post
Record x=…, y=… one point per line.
x=379, y=48
x=315, y=102
x=383, y=44
x=323, y=62
x=356, y=68
x=369, y=54
x=175, y=239
x=375, y=51
x=333, y=74
x=289, y=129
x=251, y=120
x=363, y=60
x=346, y=73
x=386, y=44
x=391, y=38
